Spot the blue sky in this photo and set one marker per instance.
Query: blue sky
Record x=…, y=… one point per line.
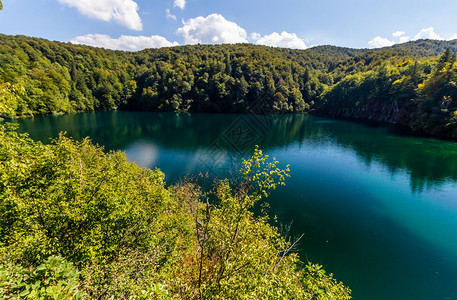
x=137, y=24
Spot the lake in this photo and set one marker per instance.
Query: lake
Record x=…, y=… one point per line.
x=377, y=207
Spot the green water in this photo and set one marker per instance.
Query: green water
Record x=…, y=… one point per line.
x=378, y=208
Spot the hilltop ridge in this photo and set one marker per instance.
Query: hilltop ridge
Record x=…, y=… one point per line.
x=39, y=77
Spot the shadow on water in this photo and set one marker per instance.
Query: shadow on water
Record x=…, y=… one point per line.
x=373, y=204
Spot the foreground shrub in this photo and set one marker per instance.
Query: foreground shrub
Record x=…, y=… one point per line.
x=54, y=279
x=70, y=204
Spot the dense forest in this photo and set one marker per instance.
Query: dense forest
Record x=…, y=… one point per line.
x=417, y=94
x=412, y=84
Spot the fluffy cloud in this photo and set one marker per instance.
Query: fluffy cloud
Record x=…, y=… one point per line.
x=255, y=36
x=169, y=14
x=284, y=40
x=123, y=12
x=180, y=3
x=427, y=33
x=379, y=42
x=214, y=29
x=124, y=42
x=398, y=33
x=401, y=36
x=404, y=39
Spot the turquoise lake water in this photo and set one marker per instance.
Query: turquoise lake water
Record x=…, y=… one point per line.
x=378, y=207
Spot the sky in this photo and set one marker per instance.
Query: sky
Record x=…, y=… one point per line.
x=133, y=25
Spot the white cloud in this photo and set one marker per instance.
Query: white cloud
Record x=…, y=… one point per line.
x=255, y=36
x=427, y=33
x=124, y=42
x=123, y=12
x=452, y=37
x=180, y=3
x=284, y=40
x=379, y=42
x=404, y=39
x=401, y=36
x=214, y=29
x=398, y=33
x=169, y=14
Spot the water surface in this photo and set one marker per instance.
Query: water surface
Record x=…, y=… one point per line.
x=377, y=208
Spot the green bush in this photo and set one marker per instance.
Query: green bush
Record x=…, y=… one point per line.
x=54, y=279
x=69, y=203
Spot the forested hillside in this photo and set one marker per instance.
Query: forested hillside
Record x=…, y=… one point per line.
x=418, y=94
x=412, y=83
x=40, y=77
